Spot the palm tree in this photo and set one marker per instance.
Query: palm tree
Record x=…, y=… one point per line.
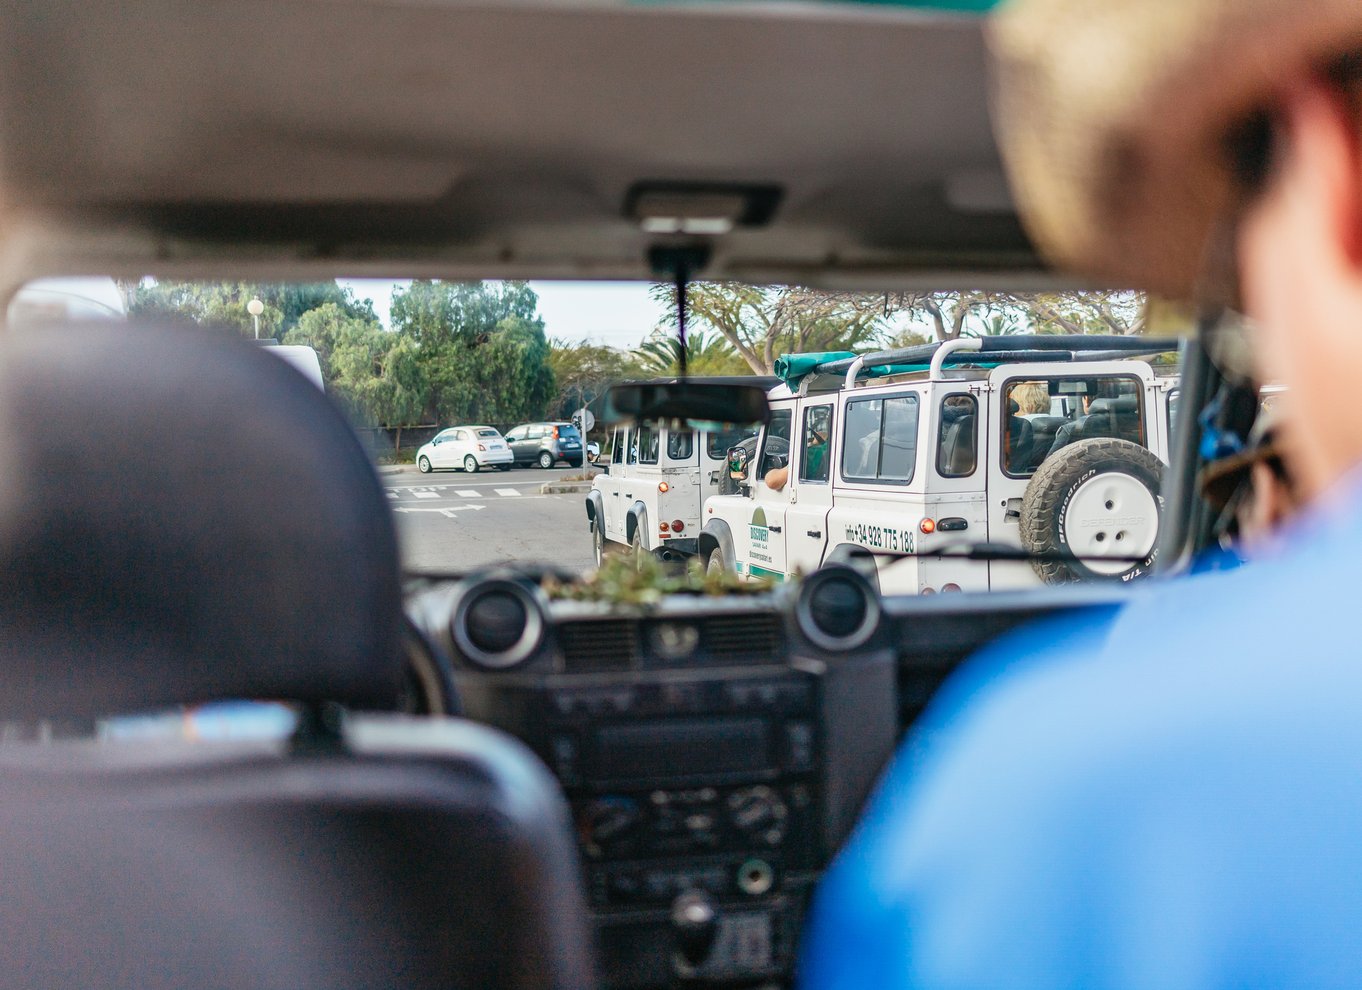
x=706, y=354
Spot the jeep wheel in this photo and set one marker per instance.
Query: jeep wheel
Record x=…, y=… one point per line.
x=546, y=460
x=1095, y=498
x=423, y=465
x=716, y=563
x=602, y=549
x=636, y=551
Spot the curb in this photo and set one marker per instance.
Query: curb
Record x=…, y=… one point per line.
x=564, y=487
x=394, y=468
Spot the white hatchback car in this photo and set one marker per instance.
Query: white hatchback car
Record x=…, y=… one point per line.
x=466, y=447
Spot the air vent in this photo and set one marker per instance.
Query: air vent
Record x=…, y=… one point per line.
x=752, y=638
x=837, y=609
x=598, y=645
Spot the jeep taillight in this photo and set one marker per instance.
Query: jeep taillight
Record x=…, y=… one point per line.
x=663, y=487
x=677, y=525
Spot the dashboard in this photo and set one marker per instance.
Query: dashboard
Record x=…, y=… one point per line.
x=715, y=751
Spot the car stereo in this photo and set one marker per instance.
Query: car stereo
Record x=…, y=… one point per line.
x=715, y=753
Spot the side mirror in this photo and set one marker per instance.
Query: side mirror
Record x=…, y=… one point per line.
x=737, y=462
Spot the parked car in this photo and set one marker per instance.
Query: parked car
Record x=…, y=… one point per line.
x=546, y=444
x=465, y=447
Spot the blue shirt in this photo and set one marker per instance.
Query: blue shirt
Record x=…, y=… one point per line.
x=1166, y=797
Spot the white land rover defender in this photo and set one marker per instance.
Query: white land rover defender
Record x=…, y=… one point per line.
x=1047, y=450
x=649, y=494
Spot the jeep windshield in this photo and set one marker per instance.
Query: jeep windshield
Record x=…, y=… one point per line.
x=888, y=435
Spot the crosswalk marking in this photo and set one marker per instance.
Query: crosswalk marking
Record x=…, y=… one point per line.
x=469, y=493
x=426, y=494
x=507, y=491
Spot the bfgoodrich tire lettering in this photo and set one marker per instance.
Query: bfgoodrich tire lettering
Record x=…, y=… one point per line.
x=1093, y=496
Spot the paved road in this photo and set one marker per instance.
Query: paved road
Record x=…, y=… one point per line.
x=451, y=521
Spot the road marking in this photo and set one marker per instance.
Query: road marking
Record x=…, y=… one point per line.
x=447, y=511
x=425, y=494
x=468, y=493
x=507, y=491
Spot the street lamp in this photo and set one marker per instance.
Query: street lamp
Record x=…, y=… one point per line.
x=255, y=307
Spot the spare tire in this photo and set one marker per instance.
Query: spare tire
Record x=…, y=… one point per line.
x=1094, y=498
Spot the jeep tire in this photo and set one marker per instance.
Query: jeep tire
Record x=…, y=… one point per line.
x=716, y=563
x=1093, y=498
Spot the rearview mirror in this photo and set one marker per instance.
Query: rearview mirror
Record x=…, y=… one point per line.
x=700, y=405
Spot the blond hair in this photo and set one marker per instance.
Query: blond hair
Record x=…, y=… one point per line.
x=1031, y=397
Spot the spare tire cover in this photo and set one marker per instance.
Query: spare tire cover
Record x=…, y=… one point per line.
x=1095, y=498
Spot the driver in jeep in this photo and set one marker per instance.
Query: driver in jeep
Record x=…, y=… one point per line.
x=1169, y=795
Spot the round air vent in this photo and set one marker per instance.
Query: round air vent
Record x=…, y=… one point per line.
x=837, y=608
x=497, y=624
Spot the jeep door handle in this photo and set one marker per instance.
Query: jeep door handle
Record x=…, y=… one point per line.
x=774, y=529
x=628, y=494
x=817, y=534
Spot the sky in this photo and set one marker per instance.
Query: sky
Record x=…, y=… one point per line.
x=619, y=314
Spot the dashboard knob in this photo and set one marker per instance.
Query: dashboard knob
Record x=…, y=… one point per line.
x=694, y=922
x=758, y=811
x=608, y=819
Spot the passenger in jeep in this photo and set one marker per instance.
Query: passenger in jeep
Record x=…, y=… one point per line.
x=1169, y=797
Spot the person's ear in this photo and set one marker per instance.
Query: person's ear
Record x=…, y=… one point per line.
x=1325, y=150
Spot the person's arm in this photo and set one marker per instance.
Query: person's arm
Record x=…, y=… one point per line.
x=776, y=478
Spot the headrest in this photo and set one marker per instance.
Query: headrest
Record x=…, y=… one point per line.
x=184, y=517
x=1121, y=404
x=954, y=414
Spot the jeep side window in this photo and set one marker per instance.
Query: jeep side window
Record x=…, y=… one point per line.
x=880, y=439
x=680, y=444
x=775, y=451
x=649, y=439
x=813, y=455
x=717, y=444
x=1042, y=417
x=617, y=447
x=958, y=440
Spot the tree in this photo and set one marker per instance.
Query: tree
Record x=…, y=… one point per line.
x=706, y=354
x=763, y=323
x=583, y=371
x=953, y=314
x=224, y=303
x=481, y=347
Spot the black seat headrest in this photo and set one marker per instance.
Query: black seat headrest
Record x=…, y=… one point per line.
x=1122, y=405
x=184, y=517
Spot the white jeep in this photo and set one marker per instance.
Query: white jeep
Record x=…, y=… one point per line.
x=1045, y=447
x=651, y=490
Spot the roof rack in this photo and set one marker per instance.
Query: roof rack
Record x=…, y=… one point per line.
x=1008, y=349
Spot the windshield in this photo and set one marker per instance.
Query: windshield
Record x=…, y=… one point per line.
x=545, y=478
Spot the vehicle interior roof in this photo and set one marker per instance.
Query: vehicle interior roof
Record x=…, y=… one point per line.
x=296, y=138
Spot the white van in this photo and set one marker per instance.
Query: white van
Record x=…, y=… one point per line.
x=1050, y=445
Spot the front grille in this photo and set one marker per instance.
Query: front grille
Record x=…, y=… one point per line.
x=743, y=637
x=598, y=645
